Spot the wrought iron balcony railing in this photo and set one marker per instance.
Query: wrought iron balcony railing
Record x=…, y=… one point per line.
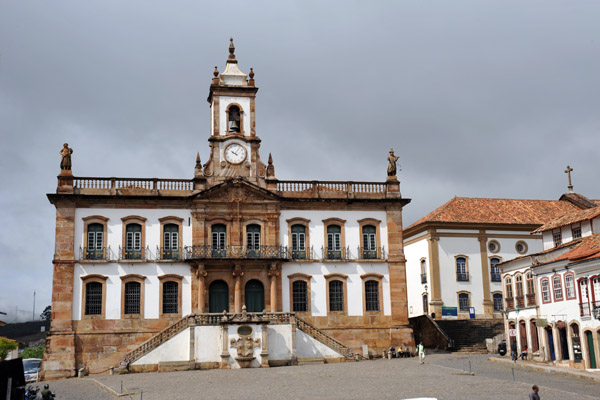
x=377, y=253
x=496, y=278
x=167, y=254
x=584, y=309
x=462, y=277
x=423, y=278
x=302, y=254
x=102, y=254
x=132, y=254
x=240, y=252
x=335, y=254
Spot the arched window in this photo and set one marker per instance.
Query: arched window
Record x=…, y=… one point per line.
x=334, y=242
x=570, y=285
x=132, y=298
x=93, y=298
x=253, y=240
x=95, y=242
x=233, y=123
x=497, y=297
x=369, y=239
x=463, y=302
x=557, y=286
x=530, y=287
x=336, y=296
x=298, y=241
x=218, y=297
x=519, y=285
x=255, y=296
x=545, y=284
x=372, y=296
x=495, y=269
x=423, y=271
x=218, y=240
x=461, y=269
x=133, y=242
x=170, y=300
x=425, y=304
x=299, y=296
x=508, y=287
x=170, y=242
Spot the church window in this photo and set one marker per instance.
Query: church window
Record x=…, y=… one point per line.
x=170, y=242
x=493, y=246
x=463, y=301
x=218, y=240
x=570, y=285
x=557, y=237
x=336, y=296
x=369, y=242
x=497, y=298
x=423, y=271
x=170, y=296
x=334, y=246
x=93, y=298
x=557, y=286
x=372, y=295
x=253, y=240
x=521, y=247
x=545, y=284
x=425, y=304
x=298, y=241
x=495, y=269
x=299, y=296
x=95, y=242
x=461, y=269
x=132, y=298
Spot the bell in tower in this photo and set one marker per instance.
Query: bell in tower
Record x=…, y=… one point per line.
x=234, y=119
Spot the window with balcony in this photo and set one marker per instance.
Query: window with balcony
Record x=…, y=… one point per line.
x=95, y=229
x=334, y=242
x=369, y=240
x=170, y=242
x=530, y=289
x=557, y=286
x=133, y=237
x=219, y=243
x=462, y=273
x=570, y=285
x=298, y=241
x=519, y=291
x=497, y=298
x=545, y=284
x=253, y=240
x=495, y=270
x=584, y=305
x=508, y=290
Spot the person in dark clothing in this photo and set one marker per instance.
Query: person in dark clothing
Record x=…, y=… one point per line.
x=534, y=393
x=513, y=350
x=46, y=393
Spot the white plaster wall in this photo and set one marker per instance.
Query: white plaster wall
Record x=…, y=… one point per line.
x=307, y=347
x=566, y=234
x=548, y=241
x=232, y=334
x=596, y=225
x=317, y=229
x=176, y=348
x=414, y=252
x=279, y=342
x=318, y=296
x=224, y=102
x=586, y=228
x=208, y=342
x=114, y=234
x=113, y=286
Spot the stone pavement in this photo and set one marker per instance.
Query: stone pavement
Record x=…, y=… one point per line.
x=443, y=376
x=549, y=368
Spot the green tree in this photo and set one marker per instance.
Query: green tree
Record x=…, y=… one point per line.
x=33, y=352
x=6, y=345
x=46, y=314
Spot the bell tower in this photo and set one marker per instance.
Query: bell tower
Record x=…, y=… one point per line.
x=233, y=141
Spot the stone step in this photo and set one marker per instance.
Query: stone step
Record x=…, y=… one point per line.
x=310, y=360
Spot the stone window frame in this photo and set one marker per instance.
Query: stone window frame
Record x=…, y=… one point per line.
x=253, y=221
x=496, y=243
x=525, y=247
x=227, y=131
x=85, y=279
x=456, y=257
x=344, y=279
x=373, y=222
x=491, y=270
x=134, y=219
x=372, y=276
x=458, y=300
x=170, y=278
x=545, y=280
x=94, y=219
x=342, y=224
x=306, y=223
x=496, y=292
x=165, y=221
x=141, y=279
x=566, y=292
x=562, y=293
x=299, y=276
x=218, y=221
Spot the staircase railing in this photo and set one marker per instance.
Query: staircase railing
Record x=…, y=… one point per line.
x=324, y=338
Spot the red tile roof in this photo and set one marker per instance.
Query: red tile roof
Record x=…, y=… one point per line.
x=588, y=248
x=497, y=211
x=570, y=218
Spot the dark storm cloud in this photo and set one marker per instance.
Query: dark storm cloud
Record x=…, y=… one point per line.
x=477, y=98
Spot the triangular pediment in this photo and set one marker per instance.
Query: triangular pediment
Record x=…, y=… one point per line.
x=234, y=190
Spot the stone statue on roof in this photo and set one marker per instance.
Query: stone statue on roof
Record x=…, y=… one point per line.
x=392, y=160
x=65, y=162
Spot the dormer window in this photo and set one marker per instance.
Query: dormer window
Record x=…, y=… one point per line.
x=557, y=237
x=576, y=230
x=234, y=120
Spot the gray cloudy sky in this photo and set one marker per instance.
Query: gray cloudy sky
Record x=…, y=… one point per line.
x=478, y=98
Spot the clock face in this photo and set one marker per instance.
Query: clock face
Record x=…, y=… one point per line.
x=235, y=153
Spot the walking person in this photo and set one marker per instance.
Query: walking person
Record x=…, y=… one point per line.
x=534, y=393
x=513, y=350
x=421, y=352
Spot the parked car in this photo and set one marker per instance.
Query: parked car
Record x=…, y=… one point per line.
x=32, y=367
x=502, y=347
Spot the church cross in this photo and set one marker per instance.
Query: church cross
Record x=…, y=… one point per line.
x=568, y=171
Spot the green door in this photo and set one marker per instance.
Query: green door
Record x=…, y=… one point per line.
x=218, y=297
x=255, y=296
x=590, y=340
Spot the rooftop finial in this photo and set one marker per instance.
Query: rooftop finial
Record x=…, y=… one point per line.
x=216, y=71
x=270, y=168
x=231, y=58
x=568, y=172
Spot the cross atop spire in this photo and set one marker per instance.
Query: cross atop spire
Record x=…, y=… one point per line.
x=568, y=172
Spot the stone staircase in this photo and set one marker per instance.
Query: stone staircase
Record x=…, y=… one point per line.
x=469, y=335
x=216, y=319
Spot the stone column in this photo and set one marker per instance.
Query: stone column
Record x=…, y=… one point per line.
x=201, y=280
x=264, y=354
x=237, y=297
x=487, y=304
x=273, y=274
x=225, y=347
x=435, y=301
